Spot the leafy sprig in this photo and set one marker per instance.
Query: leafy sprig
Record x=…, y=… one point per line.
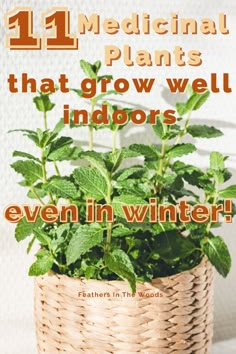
x=118, y=249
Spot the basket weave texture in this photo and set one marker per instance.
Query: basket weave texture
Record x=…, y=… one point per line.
x=171, y=315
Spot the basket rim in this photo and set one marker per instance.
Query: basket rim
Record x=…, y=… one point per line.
x=204, y=263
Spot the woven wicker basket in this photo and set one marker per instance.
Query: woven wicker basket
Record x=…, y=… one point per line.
x=171, y=315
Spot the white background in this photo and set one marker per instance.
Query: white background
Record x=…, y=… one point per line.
x=18, y=111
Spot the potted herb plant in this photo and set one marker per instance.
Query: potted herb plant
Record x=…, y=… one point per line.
x=115, y=286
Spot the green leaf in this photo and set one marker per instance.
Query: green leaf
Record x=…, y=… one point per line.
x=61, y=241
x=91, y=182
x=119, y=263
x=34, y=138
x=86, y=237
x=197, y=100
x=98, y=163
x=97, y=66
x=32, y=135
x=134, y=187
x=202, y=98
x=129, y=172
x=104, y=77
x=38, y=188
x=45, y=137
x=30, y=170
x=121, y=231
x=60, y=150
x=203, y=131
x=170, y=245
x=27, y=131
x=43, y=263
x=189, y=90
x=43, y=103
x=217, y=252
x=65, y=153
x=158, y=129
x=180, y=168
x=128, y=153
x=102, y=95
x=59, y=126
x=229, y=192
x=136, y=226
x=24, y=228
x=181, y=109
x=88, y=69
x=226, y=174
x=40, y=134
x=172, y=132
x=61, y=187
x=122, y=200
x=149, y=151
x=111, y=109
x=89, y=272
x=217, y=168
x=60, y=142
x=115, y=159
x=160, y=227
x=180, y=150
x=42, y=237
x=95, y=155
x=217, y=161
x=78, y=91
x=192, y=174
x=30, y=245
x=17, y=153
x=63, y=230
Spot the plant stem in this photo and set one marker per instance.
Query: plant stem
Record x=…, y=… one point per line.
x=160, y=171
x=90, y=138
x=46, y=127
x=44, y=168
x=213, y=203
x=109, y=228
x=45, y=120
x=36, y=195
x=43, y=161
x=109, y=224
x=91, y=127
x=56, y=168
x=163, y=147
x=180, y=136
x=114, y=134
x=184, y=131
x=61, y=266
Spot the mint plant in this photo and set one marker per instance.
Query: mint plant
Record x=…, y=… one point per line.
x=119, y=249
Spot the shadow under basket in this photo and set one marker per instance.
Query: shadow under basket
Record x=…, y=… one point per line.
x=171, y=315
